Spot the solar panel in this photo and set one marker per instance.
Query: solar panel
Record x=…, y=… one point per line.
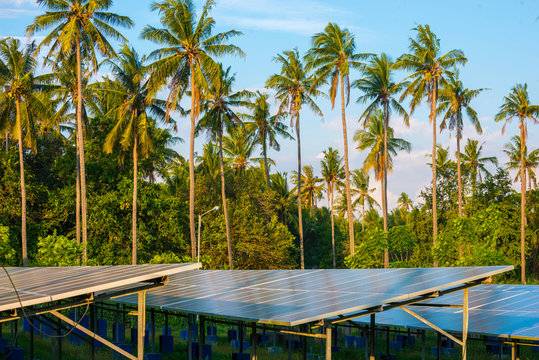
x=38, y=285
x=496, y=310
x=294, y=297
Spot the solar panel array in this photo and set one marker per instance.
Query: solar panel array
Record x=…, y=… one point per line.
x=497, y=310
x=294, y=297
x=38, y=285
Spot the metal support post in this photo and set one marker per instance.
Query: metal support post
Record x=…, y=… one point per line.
x=152, y=320
x=31, y=320
x=240, y=328
x=304, y=343
x=190, y=337
x=141, y=326
x=423, y=345
x=254, y=342
x=387, y=340
x=438, y=346
x=328, y=343
x=92, y=329
x=372, y=340
x=201, y=335
x=464, y=322
x=58, y=341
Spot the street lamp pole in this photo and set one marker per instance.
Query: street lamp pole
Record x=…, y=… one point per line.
x=199, y=224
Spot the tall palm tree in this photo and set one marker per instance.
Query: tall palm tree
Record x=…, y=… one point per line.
x=517, y=104
x=375, y=137
x=186, y=60
x=333, y=173
x=444, y=164
x=475, y=163
x=333, y=55
x=531, y=161
x=428, y=68
x=133, y=103
x=454, y=98
x=295, y=86
x=263, y=126
x=19, y=101
x=79, y=26
x=362, y=192
x=218, y=117
x=379, y=90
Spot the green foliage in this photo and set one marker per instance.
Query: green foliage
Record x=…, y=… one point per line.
x=7, y=252
x=370, y=251
x=57, y=250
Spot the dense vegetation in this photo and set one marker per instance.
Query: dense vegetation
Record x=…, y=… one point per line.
x=94, y=179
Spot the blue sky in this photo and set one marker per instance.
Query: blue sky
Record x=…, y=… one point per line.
x=499, y=38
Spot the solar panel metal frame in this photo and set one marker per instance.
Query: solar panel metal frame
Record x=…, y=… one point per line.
x=492, y=311
x=40, y=285
x=240, y=288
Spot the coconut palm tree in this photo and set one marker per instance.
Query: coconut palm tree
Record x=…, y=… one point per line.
x=263, y=126
x=285, y=198
x=362, y=193
x=133, y=104
x=454, y=98
x=428, y=67
x=19, y=101
x=404, y=202
x=219, y=99
x=80, y=27
x=311, y=191
x=472, y=159
x=531, y=161
x=375, y=137
x=379, y=90
x=333, y=173
x=186, y=60
x=238, y=147
x=333, y=55
x=295, y=87
x=444, y=164
x=517, y=104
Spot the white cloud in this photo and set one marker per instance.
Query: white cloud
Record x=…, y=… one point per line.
x=6, y=13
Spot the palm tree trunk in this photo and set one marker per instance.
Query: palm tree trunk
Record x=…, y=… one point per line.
x=223, y=197
x=77, y=185
x=6, y=140
x=265, y=150
x=23, y=188
x=433, y=99
x=332, y=228
x=522, y=205
x=459, y=180
x=384, y=184
x=135, y=191
x=80, y=139
x=363, y=216
x=347, y=171
x=192, y=166
x=300, y=217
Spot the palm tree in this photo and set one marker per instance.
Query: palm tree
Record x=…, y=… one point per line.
x=333, y=55
x=218, y=117
x=454, y=97
x=443, y=163
x=186, y=58
x=404, y=202
x=517, y=104
x=79, y=26
x=360, y=188
x=263, y=126
x=475, y=163
x=333, y=173
x=312, y=189
x=379, y=158
x=531, y=161
x=239, y=147
x=19, y=101
x=428, y=68
x=132, y=105
x=279, y=184
x=378, y=90
x=295, y=86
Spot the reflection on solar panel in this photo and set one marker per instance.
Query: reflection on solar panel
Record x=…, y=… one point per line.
x=43, y=284
x=294, y=297
x=498, y=310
